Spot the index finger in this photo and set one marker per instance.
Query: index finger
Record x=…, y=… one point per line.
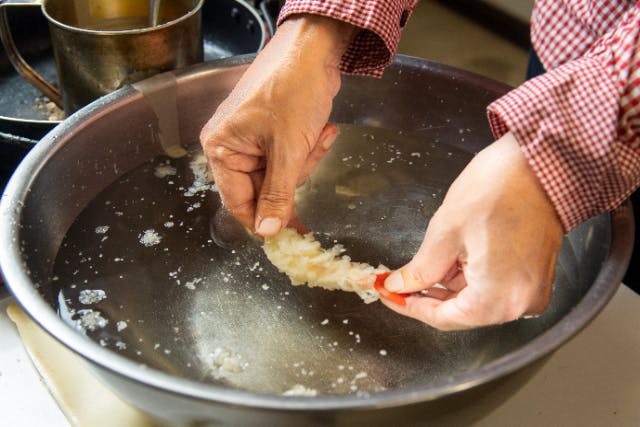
x=462, y=310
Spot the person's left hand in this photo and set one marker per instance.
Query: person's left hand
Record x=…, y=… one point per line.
x=272, y=131
x=492, y=245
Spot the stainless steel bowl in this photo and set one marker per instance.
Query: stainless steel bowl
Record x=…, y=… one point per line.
x=405, y=138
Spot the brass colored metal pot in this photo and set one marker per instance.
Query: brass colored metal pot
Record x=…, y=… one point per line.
x=102, y=45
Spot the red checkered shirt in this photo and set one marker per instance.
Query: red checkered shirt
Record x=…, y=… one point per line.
x=578, y=124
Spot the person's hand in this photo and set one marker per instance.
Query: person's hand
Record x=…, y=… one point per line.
x=493, y=245
x=271, y=132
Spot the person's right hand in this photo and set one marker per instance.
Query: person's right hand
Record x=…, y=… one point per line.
x=492, y=246
x=271, y=132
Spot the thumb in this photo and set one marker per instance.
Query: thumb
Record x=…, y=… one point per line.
x=275, y=203
x=435, y=262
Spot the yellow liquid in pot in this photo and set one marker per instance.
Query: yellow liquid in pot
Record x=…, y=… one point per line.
x=120, y=15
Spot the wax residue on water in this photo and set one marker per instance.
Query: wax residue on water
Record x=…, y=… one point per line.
x=164, y=170
x=91, y=320
x=121, y=325
x=191, y=284
x=140, y=274
x=91, y=296
x=101, y=229
x=225, y=362
x=150, y=237
x=300, y=390
x=200, y=171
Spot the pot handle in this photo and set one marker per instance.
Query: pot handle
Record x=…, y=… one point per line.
x=18, y=62
x=269, y=9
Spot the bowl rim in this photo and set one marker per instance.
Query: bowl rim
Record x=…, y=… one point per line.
x=25, y=291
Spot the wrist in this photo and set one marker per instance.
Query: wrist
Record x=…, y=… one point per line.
x=524, y=180
x=327, y=38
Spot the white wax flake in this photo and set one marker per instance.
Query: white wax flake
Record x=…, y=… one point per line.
x=359, y=376
x=416, y=154
x=91, y=296
x=265, y=286
x=254, y=266
x=324, y=322
x=345, y=321
x=194, y=206
x=150, y=238
x=199, y=167
x=164, y=170
x=121, y=325
x=300, y=390
x=101, y=229
x=224, y=362
x=192, y=284
x=383, y=352
x=169, y=224
x=91, y=320
x=121, y=345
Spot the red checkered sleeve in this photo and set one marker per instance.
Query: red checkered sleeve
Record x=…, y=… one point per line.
x=381, y=21
x=562, y=30
x=579, y=125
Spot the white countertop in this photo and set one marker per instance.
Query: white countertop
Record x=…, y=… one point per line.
x=24, y=399
x=594, y=380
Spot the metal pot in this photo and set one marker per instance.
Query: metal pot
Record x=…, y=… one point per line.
x=229, y=27
x=428, y=376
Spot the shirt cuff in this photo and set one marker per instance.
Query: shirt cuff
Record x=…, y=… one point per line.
x=381, y=21
x=566, y=124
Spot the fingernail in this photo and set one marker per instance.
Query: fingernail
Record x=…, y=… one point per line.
x=329, y=140
x=394, y=282
x=269, y=226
